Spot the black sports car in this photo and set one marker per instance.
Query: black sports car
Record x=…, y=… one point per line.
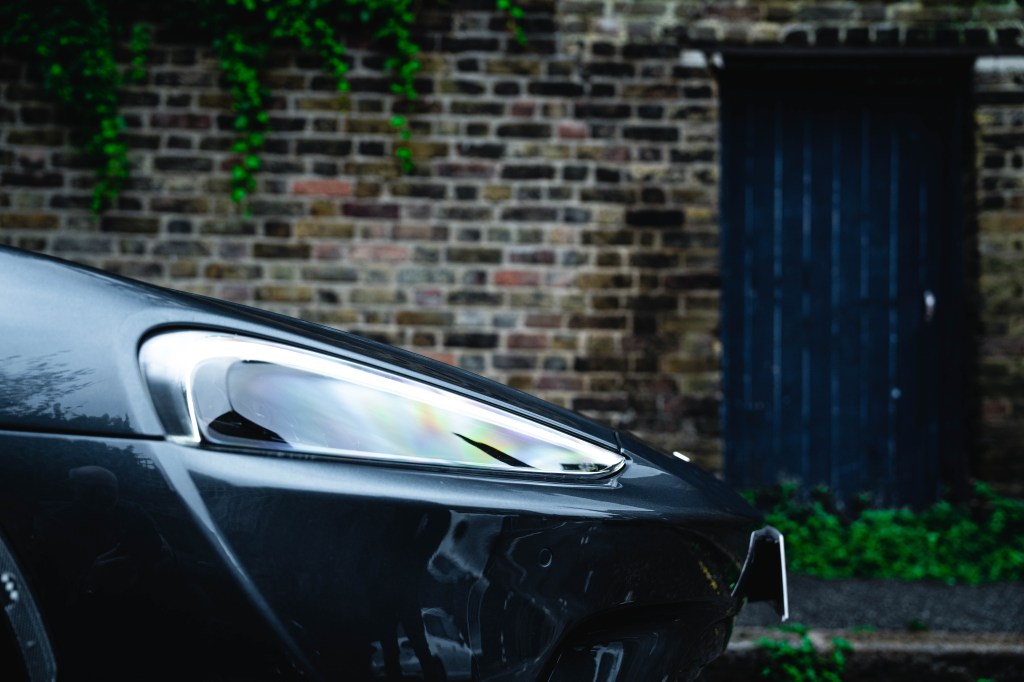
x=191, y=489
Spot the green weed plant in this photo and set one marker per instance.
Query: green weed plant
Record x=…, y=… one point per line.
x=76, y=44
x=802, y=661
x=978, y=542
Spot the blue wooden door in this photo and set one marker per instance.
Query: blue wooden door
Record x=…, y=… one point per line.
x=842, y=275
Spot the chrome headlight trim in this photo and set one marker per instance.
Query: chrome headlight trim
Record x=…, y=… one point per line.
x=227, y=391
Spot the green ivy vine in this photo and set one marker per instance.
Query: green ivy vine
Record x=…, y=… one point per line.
x=74, y=42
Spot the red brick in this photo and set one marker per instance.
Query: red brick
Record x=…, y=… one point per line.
x=572, y=130
x=536, y=341
x=517, y=278
x=380, y=253
x=332, y=188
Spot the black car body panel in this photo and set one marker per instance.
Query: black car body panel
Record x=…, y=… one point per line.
x=152, y=559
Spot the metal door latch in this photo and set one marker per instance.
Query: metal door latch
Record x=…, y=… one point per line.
x=929, y=305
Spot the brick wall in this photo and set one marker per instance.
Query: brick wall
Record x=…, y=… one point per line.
x=1000, y=266
x=560, y=231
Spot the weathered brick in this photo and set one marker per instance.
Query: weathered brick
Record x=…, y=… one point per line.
x=425, y=318
x=324, y=229
x=372, y=211
x=10, y=179
x=517, y=278
x=600, y=364
x=130, y=224
x=276, y=250
x=476, y=108
x=284, y=294
x=528, y=172
x=83, y=245
x=324, y=147
x=180, y=120
x=455, y=45
x=597, y=280
x=525, y=130
x=484, y=151
x=181, y=249
x=378, y=297
x=227, y=226
x=179, y=205
x=656, y=218
x=609, y=195
x=82, y=202
x=185, y=164
x=555, y=89
x=534, y=214
x=37, y=137
x=602, y=110
x=651, y=133
x=471, y=340
x=30, y=221
x=513, y=362
x=335, y=188
x=693, y=280
x=475, y=298
x=233, y=271
x=528, y=341
x=380, y=253
x=473, y=255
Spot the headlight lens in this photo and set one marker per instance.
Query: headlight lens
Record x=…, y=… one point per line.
x=231, y=391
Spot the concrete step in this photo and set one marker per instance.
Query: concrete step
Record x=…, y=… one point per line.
x=884, y=656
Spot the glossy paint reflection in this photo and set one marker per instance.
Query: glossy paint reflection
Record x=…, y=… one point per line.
x=125, y=586
x=384, y=583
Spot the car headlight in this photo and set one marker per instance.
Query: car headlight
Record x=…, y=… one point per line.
x=215, y=389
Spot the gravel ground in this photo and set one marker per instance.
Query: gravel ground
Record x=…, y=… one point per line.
x=897, y=605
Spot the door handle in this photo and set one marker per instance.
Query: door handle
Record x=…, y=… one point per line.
x=929, y=305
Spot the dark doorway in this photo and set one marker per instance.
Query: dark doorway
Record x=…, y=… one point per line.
x=842, y=274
